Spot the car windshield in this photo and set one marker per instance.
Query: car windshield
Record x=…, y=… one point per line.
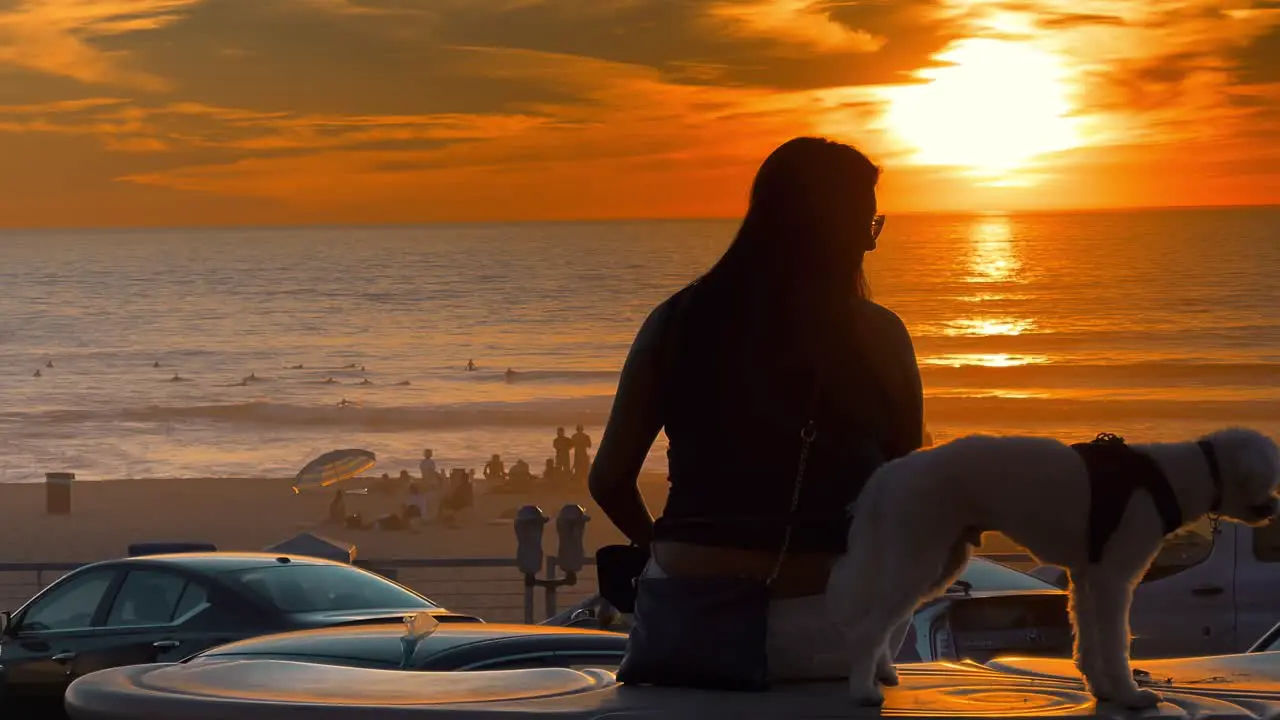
x=322, y=588
x=984, y=575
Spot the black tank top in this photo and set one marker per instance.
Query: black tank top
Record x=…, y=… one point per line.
x=733, y=460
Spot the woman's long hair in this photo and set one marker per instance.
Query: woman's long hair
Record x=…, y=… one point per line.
x=789, y=280
x=795, y=265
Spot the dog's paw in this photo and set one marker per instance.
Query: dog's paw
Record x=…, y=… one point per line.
x=1137, y=699
x=866, y=696
x=887, y=674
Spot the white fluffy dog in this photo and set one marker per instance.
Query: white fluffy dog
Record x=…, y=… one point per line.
x=907, y=540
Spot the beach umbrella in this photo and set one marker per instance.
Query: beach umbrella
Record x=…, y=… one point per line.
x=332, y=467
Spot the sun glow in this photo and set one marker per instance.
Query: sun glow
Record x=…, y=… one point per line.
x=993, y=107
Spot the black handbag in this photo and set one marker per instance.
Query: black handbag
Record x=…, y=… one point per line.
x=617, y=569
x=708, y=633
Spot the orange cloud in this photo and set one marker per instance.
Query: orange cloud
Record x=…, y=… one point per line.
x=805, y=25
x=55, y=37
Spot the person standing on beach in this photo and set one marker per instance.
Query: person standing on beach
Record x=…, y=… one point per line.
x=428, y=467
x=581, y=459
x=562, y=446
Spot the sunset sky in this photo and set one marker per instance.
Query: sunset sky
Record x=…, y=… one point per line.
x=193, y=112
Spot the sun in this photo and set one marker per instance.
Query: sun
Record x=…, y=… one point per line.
x=992, y=107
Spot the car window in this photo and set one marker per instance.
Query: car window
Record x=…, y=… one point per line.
x=193, y=601
x=1266, y=543
x=1182, y=550
x=147, y=597
x=984, y=575
x=69, y=605
x=319, y=588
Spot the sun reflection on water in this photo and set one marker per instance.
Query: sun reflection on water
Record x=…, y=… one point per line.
x=986, y=326
x=993, y=256
x=994, y=360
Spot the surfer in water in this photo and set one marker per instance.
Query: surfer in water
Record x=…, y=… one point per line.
x=48, y=364
x=155, y=364
x=510, y=375
x=176, y=378
x=345, y=403
x=329, y=381
x=253, y=377
x=402, y=383
x=38, y=374
x=471, y=366
x=365, y=381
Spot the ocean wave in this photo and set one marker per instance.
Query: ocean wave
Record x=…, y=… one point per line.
x=591, y=410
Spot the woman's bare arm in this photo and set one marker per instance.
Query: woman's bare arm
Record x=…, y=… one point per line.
x=895, y=360
x=633, y=425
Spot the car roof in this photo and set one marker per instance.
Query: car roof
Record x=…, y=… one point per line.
x=216, y=562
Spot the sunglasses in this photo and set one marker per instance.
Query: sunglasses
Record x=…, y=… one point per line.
x=877, y=226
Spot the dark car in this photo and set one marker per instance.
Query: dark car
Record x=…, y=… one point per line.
x=452, y=647
x=163, y=608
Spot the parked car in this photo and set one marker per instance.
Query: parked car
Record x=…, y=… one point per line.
x=990, y=610
x=1207, y=593
x=166, y=607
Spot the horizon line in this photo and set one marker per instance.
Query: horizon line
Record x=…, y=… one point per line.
x=294, y=225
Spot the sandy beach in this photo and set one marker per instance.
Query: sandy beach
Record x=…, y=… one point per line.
x=250, y=514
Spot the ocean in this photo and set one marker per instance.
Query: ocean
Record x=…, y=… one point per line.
x=1153, y=324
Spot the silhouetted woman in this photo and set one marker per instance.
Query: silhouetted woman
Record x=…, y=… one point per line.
x=777, y=341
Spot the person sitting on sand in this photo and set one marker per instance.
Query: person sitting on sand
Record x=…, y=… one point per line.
x=520, y=478
x=549, y=474
x=415, y=506
x=460, y=497
x=494, y=470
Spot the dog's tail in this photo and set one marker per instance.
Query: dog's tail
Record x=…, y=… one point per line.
x=847, y=596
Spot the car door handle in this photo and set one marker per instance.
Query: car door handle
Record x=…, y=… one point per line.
x=1207, y=590
x=63, y=657
x=166, y=644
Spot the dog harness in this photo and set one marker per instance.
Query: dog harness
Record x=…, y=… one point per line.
x=1116, y=470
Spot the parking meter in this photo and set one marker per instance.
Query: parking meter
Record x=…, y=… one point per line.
x=571, y=526
x=529, y=522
